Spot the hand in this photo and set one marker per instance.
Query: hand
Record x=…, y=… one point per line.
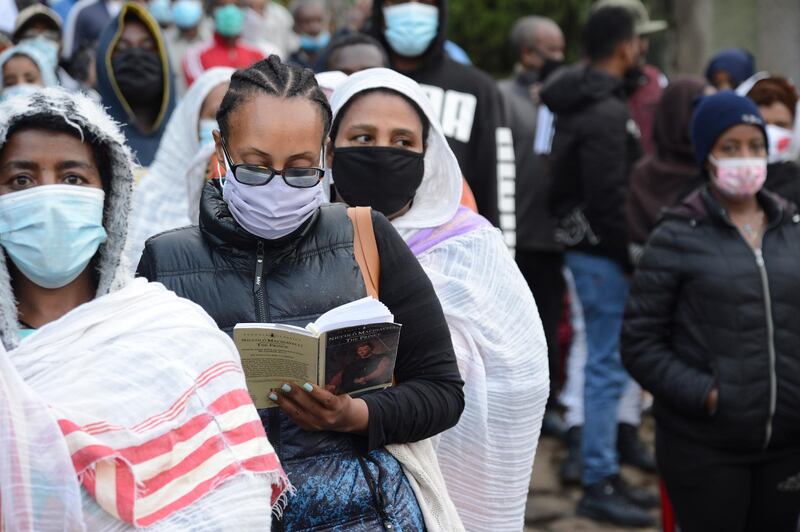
x=360, y=380
x=711, y=400
x=319, y=409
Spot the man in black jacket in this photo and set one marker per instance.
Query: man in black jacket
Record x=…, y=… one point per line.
x=595, y=146
x=466, y=99
x=539, y=43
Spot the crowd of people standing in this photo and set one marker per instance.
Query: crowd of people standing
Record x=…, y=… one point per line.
x=562, y=249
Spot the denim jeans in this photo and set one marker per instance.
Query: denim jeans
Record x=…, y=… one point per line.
x=603, y=290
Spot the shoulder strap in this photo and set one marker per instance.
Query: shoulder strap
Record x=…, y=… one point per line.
x=365, y=248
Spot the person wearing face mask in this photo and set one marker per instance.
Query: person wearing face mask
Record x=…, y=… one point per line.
x=39, y=26
x=226, y=49
x=645, y=83
x=710, y=331
x=595, y=146
x=388, y=151
x=186, y=31
x=466, y=100
x=161, y=10
x=24, y=69
x=137, y=89
x=267, y=250
x=102, y=377
x=539, y=44
x=168, y=195
x=312, y=25
x=777, y=102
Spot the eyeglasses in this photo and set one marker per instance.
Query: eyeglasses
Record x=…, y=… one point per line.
x=254, y=175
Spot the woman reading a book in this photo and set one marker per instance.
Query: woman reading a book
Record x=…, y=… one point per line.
x=268, y=251
x=106, y=381
x=388, y=151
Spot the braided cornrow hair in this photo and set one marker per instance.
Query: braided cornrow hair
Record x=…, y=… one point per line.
x=276, y=78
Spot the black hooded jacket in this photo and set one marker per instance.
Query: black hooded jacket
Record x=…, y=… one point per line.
x=594, y=149
x=705, y=310
x=470, y=111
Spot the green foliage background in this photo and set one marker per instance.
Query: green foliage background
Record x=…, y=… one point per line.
x=482, y=28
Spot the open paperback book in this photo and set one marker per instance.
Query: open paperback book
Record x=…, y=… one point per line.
x=350, y=349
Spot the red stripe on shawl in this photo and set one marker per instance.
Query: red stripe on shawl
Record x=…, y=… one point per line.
x=257, y=464
x=197, y=458
x=126, y=492
x=166, y=442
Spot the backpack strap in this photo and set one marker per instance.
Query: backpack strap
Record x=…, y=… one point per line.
x=365, y=248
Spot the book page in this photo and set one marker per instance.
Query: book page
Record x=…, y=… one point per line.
x=271, y=357
x=360, y=359
x=359, y=312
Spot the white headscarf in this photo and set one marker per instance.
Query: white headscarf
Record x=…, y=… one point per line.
x=494, y=324
x=168, y=194
x=439, y=195
x=46, y=69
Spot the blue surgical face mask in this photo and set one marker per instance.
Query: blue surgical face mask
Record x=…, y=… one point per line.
x=411, y=27
x=161, y=11
x=20, y=89
x=205, y=130
x=314, y=44
x=48, y=47
x=186, y=14
x=51, y=232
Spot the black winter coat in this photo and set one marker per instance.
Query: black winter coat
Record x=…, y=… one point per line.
x=706, y=310
x=237, y=277
x=594, y=149
x=784, y=180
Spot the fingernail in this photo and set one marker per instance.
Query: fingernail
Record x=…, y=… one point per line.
x=273, y=396
x=286, y=388
x=307, y=387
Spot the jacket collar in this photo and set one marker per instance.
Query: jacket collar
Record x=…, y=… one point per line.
x=701, y=205
x=219, y=227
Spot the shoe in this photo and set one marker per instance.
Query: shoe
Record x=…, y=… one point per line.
x=632, y=450
x=552, y=424
x=571, y=467
x=602, y=502
x=638, y=496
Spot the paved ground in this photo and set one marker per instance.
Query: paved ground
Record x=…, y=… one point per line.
x=551, y=508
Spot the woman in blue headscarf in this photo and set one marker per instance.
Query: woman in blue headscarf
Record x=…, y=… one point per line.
x=24, y=69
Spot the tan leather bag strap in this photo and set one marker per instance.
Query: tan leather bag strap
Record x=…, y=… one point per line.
x=365, y=248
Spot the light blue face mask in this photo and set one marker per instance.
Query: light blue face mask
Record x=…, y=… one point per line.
x=314, y=44
x=51, y=232
x=411, y=27
x=205, y=130
x=161, y=11
x=186, y=14
x=20, y=89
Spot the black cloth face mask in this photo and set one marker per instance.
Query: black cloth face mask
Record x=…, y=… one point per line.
x=140, y=75
x=385, y=179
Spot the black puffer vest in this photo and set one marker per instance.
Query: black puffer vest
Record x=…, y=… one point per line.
x=237, y=277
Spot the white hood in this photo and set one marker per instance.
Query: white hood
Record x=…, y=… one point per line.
x=439, y=194
x=85, y=115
